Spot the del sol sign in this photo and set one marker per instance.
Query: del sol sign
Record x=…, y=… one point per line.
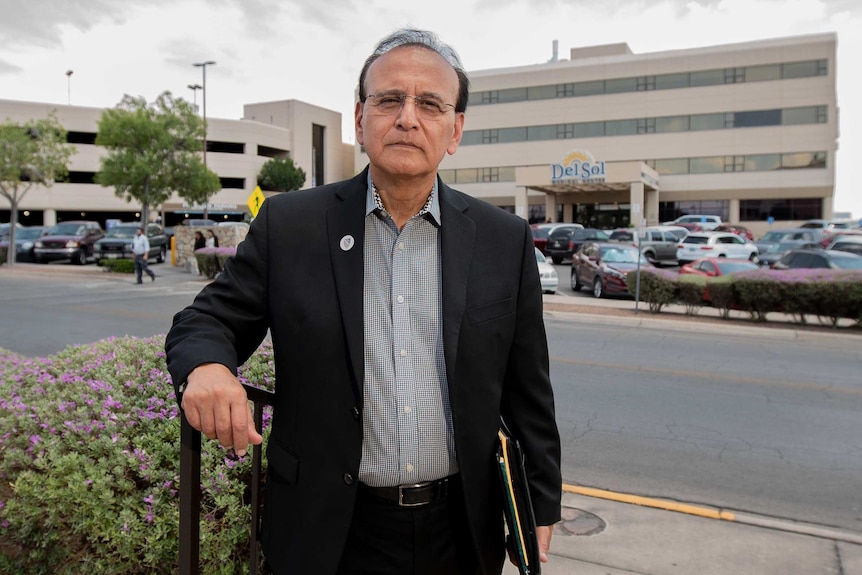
x=578, y=165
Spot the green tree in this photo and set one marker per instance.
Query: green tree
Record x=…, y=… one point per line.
x=153, y=151
x=281, y=175
x=35, y=152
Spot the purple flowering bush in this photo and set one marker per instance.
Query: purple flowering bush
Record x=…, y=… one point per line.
x=657, y=287
x=90, y=467
x=211, y=261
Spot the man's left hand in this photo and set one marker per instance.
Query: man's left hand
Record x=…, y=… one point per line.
x=543, y=534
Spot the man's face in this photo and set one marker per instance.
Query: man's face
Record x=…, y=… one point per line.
x=406, y=143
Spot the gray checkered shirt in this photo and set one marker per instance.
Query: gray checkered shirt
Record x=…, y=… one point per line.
x=407, y=418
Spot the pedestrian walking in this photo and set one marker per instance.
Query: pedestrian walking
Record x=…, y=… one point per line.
x=141, y=249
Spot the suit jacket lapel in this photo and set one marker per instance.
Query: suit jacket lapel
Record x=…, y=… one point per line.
x=458, y=233
x=345, y=221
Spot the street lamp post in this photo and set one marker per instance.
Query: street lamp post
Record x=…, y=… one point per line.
x=69, y=86
x=203, y=67
x=194, y=88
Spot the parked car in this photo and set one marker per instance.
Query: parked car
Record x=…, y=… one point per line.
x=4, y=230
x=73, y=240
x=542, y=231
x=547, y=274
x=834, y=236
x=714, y=244
x=828, y=225
x=706, y=222
x=656, y=244
x=736, y=229
x=25, y=241
x=117, y=243
x=717, y=267
x=814, y=258
x=776, y=243
x=602, y=266
x=846, y=243
x=564, y=242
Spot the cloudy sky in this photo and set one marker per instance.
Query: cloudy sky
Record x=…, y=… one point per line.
x=312, y=50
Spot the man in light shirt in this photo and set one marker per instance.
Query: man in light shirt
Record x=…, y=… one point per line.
x=406, y=319
x=141, y=250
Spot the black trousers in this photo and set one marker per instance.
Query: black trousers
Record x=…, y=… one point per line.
x=433, y=539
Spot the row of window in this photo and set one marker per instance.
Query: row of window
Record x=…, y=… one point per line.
x=659, y=125
x=672, y=166
x=762, y=73
x=79, y=177
x=749, y=210
x=215, y=146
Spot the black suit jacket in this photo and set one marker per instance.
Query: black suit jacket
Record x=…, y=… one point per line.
x=291, y=276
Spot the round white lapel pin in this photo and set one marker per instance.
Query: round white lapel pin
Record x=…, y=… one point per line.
x=346, y=243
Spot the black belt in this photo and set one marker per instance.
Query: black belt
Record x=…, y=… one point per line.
x=414, y=495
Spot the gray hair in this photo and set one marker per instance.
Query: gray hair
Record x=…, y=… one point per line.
x=423, y=39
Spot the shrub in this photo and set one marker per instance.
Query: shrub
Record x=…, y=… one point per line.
x=90, y=471
x=211, y=261
x=722, y=294
x=121, y=266
x=691, y=290
x=657, y=287
x=3, y=253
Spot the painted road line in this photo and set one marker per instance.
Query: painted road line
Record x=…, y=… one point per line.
x=775, y=523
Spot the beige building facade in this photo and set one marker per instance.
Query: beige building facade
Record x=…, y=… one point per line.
x=236, y=151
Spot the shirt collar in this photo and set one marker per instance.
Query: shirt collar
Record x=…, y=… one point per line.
x=431, y=209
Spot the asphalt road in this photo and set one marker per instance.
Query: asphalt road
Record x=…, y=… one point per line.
x=767, y=424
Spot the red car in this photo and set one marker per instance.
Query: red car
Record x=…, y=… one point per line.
x=736, y=229
x=603, y=266
x=716, y=267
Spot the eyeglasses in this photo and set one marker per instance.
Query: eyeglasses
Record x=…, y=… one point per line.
x=427, y=107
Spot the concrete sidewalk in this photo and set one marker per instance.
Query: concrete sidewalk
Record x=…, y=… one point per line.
x=632, y=539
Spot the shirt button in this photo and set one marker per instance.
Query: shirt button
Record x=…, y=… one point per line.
x=348, y=479
x=409, y=467
x=401, y=299
x=403, y=353
x=400, y=245
x=408, y=409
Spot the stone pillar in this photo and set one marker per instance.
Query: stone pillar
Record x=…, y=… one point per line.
x=637, y=209
x=733, y=211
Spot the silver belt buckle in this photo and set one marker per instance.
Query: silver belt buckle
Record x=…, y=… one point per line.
x=401, y=489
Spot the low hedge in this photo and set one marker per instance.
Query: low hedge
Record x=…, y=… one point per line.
x=211, y=261
x=90, y=466
x=828, y=294
x=120, y=266
x=3, y=253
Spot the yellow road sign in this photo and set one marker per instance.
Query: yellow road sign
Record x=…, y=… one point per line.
x=255, y=200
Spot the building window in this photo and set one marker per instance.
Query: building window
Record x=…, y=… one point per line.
x=565, y=90
x=762, y=162
x=621, y=85
x=226, y=147
x=711, y=165
x=589, y=88
x=806, y=115
x=467, y=176
x=645, y=83
x=646, y=126
x=763, y=73
x=232, y=183
x=757, y=118
x=803, y=69
x=506, y=173
x=490, y=136
x=734, y=163
x=707, y=122
x=565, y=131
x=671, y=81
x=672, y=124
x=490, y=175
x=781, y=210
x=490, y=97
x=734, y=75
x=81, y=137
x=547, y=132
x=621, y=127
x=801, y=160
x=448, y=176
x=706, y=78
x=589, y=129
x=672, y=166
x=512, y=95
x=541, y=92
x=506, y=135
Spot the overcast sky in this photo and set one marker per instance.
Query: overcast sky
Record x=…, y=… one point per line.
x=312, y=50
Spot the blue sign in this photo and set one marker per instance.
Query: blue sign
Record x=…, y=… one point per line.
x=770, y=220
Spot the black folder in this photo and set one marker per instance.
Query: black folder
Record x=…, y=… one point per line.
x=518, y=507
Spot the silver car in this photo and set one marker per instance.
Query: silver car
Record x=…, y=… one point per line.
x=714, y=245
x=547, y=273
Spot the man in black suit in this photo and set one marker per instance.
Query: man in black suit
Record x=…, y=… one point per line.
x=406, y=319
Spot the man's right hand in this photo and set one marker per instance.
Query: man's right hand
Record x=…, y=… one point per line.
x=215, y=403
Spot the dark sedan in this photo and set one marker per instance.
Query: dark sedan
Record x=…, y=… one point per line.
x=68, y=241
x=603, y=267
x=822, y=259
x=25, y=240
x=564, y=242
